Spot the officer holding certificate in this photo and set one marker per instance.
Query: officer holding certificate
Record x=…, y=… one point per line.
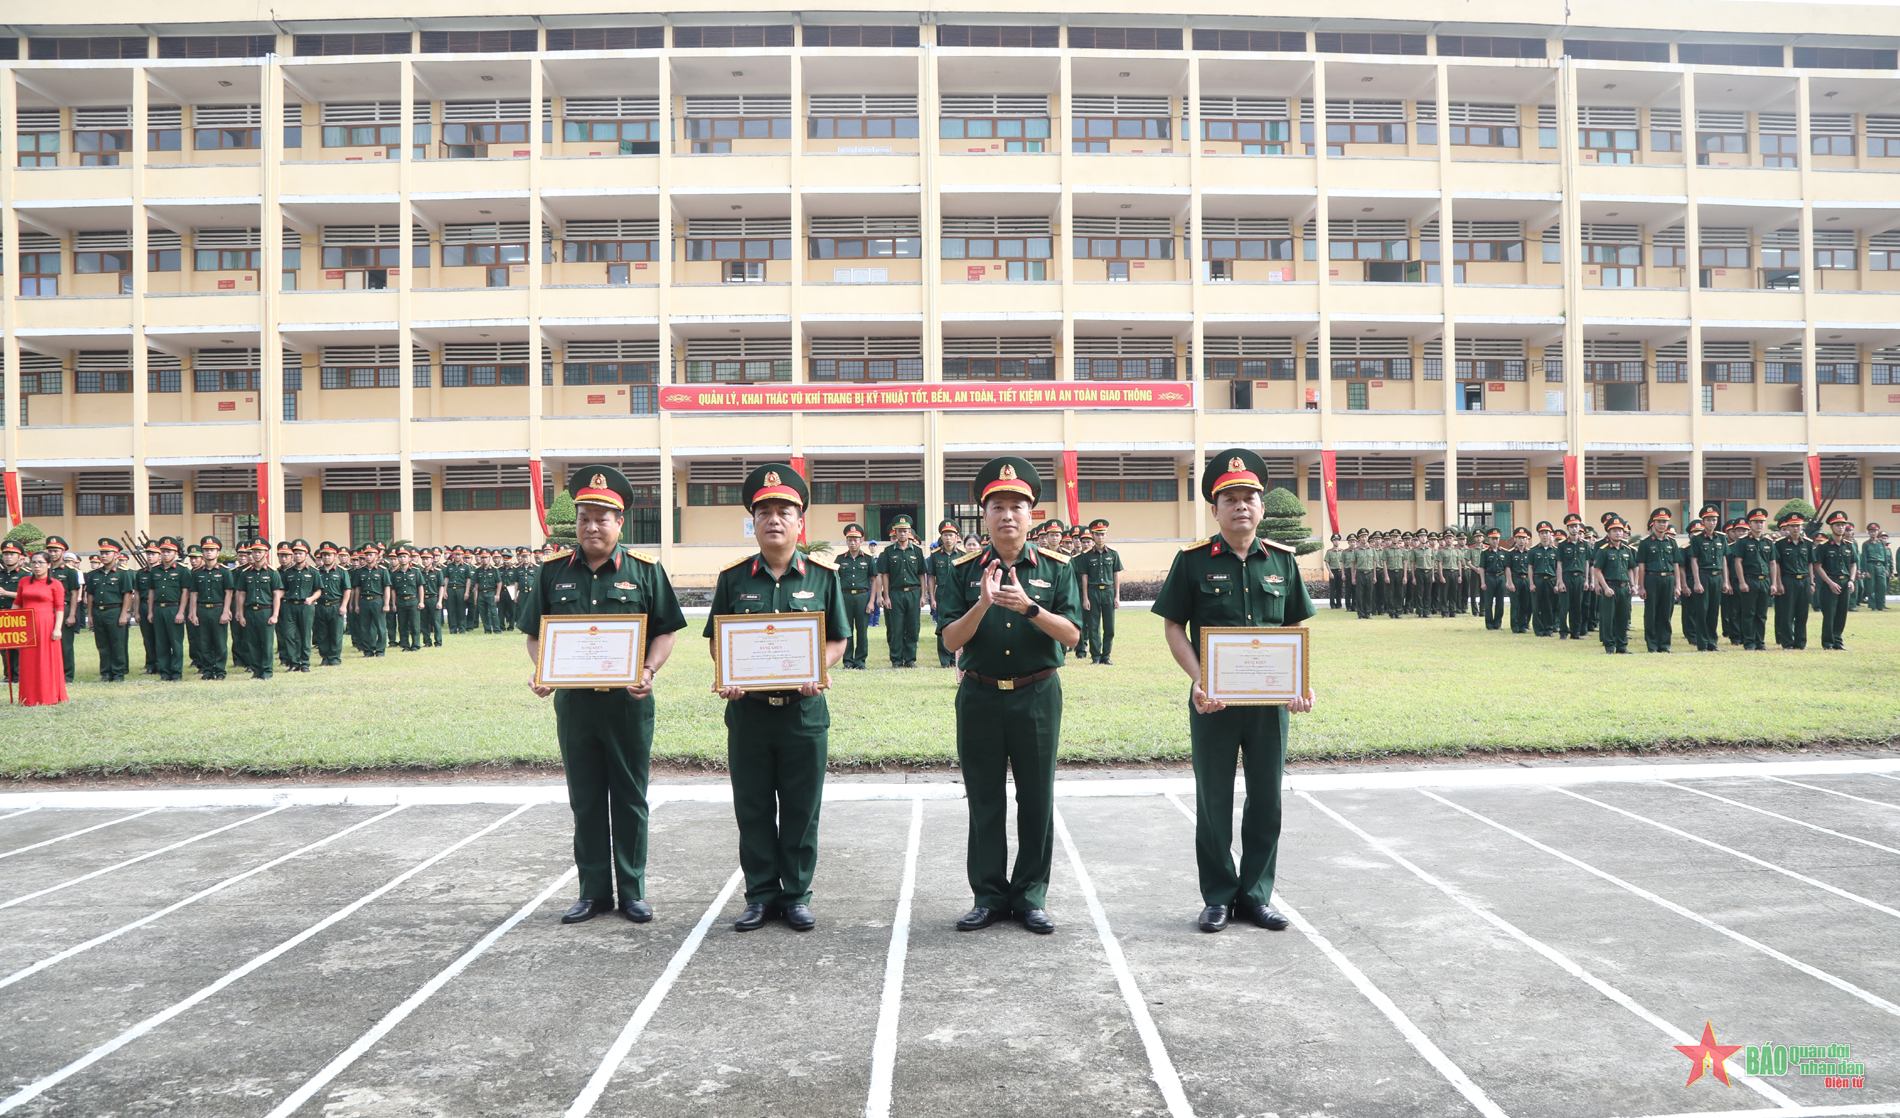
x=777, y=738
x=1234, y=578
x=606, y=733
x=1014, y=611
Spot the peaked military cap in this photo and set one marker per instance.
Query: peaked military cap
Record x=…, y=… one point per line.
x=1013, y=475
x=1335, y=536
x=1659, y=513
x=1572, y=518
x=1794, y=518
x=1234, y=468
x=948, y=526
x=775, y=481
x=899, y=521
x=853, y=532
x=1707, y=510
x=1757, y=514
x=603, y=486
x=167, y=543
x=1833, y=518
x=107, y=543
x=1546, y=526
x=326, y=548
x=1102, y=522
x=56, y=541
x=1522, y=531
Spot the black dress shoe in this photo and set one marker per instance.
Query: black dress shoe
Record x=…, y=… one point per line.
x=637, y=911
x=1037, y=921
x=585, y=909
x=1268, y=917
x=979, y=918
x=752, y=919
x=799, y=917
x=1213, y=918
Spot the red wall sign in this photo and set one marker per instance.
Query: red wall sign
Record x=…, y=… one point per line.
x=599, y=399
x=847, y=518
x=227, y=405
x=227, y=285
x=1496, y=386
x=1162, y=395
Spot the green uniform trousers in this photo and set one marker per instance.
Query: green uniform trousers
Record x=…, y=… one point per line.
x=776, y=756
x=286, y=634
x=606, y=740
x=1791, y=614
x=1573, y=606
x=110, y=637
x=1493, y=601
x=901, y=624
x=491, y=615
x=1877, y=589
x=1833, y=607
x=458, y=611
x=212, y=654
x=66, y=635
x=1256, y=738
x=375, y=631
x=255, y=637
x=1751, y=611
x=999, y=734
x=326, y=633
x=409, y=626
x=1098, y=624
x=1365, y=589
x=168, y=635
x=1696, y=619
x=293, y=629
x=147, y=634
x=1613, y=618
x=1659, y=611
x=857, y=611
x=1544, y=614
x=432, y=626
x=1521, y=595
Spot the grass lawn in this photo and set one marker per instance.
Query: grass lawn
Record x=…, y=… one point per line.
x=1385, y=687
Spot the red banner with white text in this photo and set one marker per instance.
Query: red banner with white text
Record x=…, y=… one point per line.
x=1163, y=395
x=1329, y=481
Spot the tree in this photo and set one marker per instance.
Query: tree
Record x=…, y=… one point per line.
x=815, y=547
x=561, y=521
x=1795, y=504
x=1285, y=521
x=28, y=536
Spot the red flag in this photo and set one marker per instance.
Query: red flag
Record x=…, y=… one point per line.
x=540, y=498
x=1573, y=493
x=1814, y=477
x=1329, y=480
x=1069, y=487
x=263, y=500
x=13, y=497
x=799, y=465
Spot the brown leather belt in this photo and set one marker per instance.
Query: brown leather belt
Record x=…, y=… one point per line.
x=1010, y=684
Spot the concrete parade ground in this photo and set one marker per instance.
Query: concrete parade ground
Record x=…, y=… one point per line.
x=1524, y=941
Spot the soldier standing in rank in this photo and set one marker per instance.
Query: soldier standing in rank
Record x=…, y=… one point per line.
x=211, y=591
x=167, y=585
x=299, y=610
x=1610, y=565
x=1392, y=560
x=114, y=604
x=433, y=587
x=900, y=574
x=857, y=572
x=285, y=566
x=1658, y=571
x=1011, y=611
x=1235, y=577
x=260, y=596
x=488, y=592
x=1756, y=577
x=1546, y=578
x=1098, y=573
x=1707, y=567
x=1369, y=575
x=333, y=591
x=374, y=602
x=405, y=588
x=1492, y=565
x=949, y=546
x=777, y=742
x=606, y=734
x=455, y=578
x=1794, y=555
x=1876, y=566
x=1836, y=562
x=143, y=577
x=1517, y=578
x=1335, y=571
x=58, y=571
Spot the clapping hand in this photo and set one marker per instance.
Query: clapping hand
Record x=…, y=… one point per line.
x=1009, y=594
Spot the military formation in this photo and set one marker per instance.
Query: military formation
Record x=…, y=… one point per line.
x=1572, y=583
x=1012, y=607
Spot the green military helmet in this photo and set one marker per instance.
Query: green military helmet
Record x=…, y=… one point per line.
x=775, y=481
x=602, y=486
x=1233, y=468
x=1013, y=475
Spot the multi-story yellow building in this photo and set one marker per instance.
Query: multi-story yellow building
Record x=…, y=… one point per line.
x=361, y=271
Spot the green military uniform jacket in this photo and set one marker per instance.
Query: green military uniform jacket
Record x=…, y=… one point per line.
x=1006, y=645
x=1211, y=584
x=1755, y=554
x=856, y=571
x=628, y=582
x=370, y=582
x=487, y=580
x=1365, y=559
x=210, y=584
x=1710, y=553
x=68, y=578
x=1836, y=559
x=256, y=584
x=1659, y=556
x=332, y=583
x=168, y=587
x=108, y=590
x=1614, y=560
x=941, y=565
x=1572, y=556
x=809, y=585
x=299, y=583
x=1336, y=559
x=1393, y=559
x=456, y=575
x=408, y=587
x=1494, y=561
x=1095, y=571
x=1794, y=557
x=903, y=567
x=1875, y=558
x=1519, y=564
x=1545, y=560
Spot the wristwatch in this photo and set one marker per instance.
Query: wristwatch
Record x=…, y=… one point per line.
x=1032, y=611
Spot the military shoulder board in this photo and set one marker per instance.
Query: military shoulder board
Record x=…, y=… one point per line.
x=964, y=558
x=644, y=557
x=823, y=562
x=1198, y=543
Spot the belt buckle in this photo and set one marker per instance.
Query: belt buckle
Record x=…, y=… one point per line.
x=1006, y=685
x=776, y=700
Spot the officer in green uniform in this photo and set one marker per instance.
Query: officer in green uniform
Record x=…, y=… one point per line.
x=374, y=603
x=1756, y=578
x=210, y=610
x=1836, y=561
x=1012, y=612
x=1366, y=570
x=949, y=546
x=299, y=576
x=1335, y=571
x=326, y=624
x=260, y=595
x=1517, y=579
x=1573, y=560
x=1098, y=573
x=1876, y=566
x=405, y=584
x=1658, y=571
x=166, y=582
x=1610, y=565
x=142, y=578
x=286, y=564
x=1794, y=555
x=1234, y=578
x=488, y=593
x=1392, y=558
x=455, y=576
x=1709, y=586
x=114, y=604
x=606, y=734
x=1547, y=580
x=58, y=571
x=777, y=741
x=432, y=587
x=900, y=573
x=857, y=573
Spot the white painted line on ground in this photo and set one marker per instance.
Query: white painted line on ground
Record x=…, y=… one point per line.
x=62, y=956
x=40, y=1086
x=884, y=1046
x=140, y=858
x=1767, y=865
x=428, y=990
x=1830, y=791
x=81, y=831
x=1159, y=1063
x=22, y=811
x=1415, y=1036
x=1841, y=984
x=1797, y=1112
x=649, y=1005
x=1783, y=818
x=1564, y=962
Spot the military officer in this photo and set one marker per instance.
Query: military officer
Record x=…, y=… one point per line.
x=1794, y=555
x=1366, y=571
x=433, y=587
x=1098, y=574
x=143, y=579
x=1335, y=571
x=333, y=587
x=166, y=582
x=406, y=590
x=606, y=734
x=299, y=610
x=949, y=546
x=455, y=579
x=1493, y=564
x=211, y=591
x=1709, y=585
x=1876, y=566
x=1658, y=572
x=285, y=622
x=777, y=741
x=374, y=602
x=1836, y=561
x=900, y=576
x=1573, y=561
x=1610, y=565
x=1517, y=578
x=114, y=604
x=1547, y=580
x=856, y=574
x=1235, y=577
x=1396, y=576
x=1012, y=612
x=488, y=592
x=58, y=571
x=259, y=598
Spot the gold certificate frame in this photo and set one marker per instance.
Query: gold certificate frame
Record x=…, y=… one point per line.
x=1244, y=666
x=769, y=651
x=593, y=650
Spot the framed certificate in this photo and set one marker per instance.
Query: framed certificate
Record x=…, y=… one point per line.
x=769, y=651
x=1254, y=667
x=599, y=650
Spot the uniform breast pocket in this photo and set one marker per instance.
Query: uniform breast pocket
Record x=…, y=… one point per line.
x=624, y=600
x=564, y=601
x=754, y=604
x=1216, y=603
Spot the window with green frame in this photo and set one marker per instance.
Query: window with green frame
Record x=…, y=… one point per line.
x=1160, y=489
x=866, y=492
x=701, y=493
x=375, y=500
x=482, y=500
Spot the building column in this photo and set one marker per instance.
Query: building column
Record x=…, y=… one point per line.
x=141, y=399
x=1322, y=258
x=405, y=285
x=1692, y=275
x=1189, y=518
x=1570, y=234
x=1810, y=389
x=270, y=341
x=537, y=354
x=11, y=404
x=663, y=268
x=1448, y=344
